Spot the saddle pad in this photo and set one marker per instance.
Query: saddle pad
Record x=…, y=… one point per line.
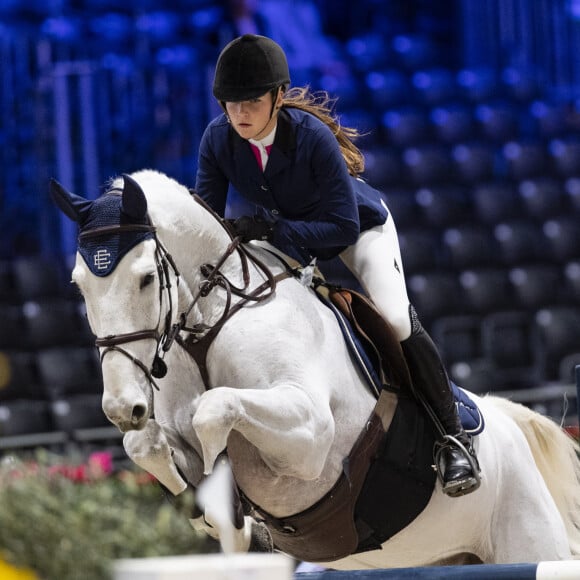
x=356, y=349
x=469, y=413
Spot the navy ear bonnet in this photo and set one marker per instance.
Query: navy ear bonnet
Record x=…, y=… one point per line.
x=101, y=242
x=102, y=253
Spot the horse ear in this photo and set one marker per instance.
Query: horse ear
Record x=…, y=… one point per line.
x=73, y=206
x=134, y=203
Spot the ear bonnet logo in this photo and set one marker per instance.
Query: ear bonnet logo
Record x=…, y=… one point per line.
x=102, y=253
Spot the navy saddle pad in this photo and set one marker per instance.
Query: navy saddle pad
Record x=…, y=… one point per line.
x=469, y=413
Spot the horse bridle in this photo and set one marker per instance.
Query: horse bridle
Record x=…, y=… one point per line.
x=212, y=277
x=163, y=262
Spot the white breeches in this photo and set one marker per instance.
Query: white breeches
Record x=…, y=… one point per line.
x=376, y=262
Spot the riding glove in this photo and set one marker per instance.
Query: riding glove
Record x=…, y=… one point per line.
x=252, y=228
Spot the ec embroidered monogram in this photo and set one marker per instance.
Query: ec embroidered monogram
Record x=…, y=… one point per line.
x=102, y=259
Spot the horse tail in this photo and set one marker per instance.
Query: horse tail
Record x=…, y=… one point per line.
x=556, y=455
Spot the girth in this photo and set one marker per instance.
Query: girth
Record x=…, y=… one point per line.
x=327, y=531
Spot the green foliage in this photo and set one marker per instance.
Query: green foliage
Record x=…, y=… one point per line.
x=68, y=523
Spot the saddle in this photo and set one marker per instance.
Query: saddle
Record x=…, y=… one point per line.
x=376, y=335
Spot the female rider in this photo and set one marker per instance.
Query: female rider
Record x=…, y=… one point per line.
x=284, y=152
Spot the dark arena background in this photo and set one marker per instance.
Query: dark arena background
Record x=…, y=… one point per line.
x=471, y=118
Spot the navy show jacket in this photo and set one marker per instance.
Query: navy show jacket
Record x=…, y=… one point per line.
x=317, y=208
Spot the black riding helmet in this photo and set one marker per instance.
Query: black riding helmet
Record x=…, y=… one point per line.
x=249, y=67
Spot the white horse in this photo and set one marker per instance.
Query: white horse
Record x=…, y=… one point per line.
x=277, y=390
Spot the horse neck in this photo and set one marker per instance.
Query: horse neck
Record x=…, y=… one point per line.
x=194, y=240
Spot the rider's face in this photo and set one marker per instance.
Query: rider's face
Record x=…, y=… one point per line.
x=251, y=119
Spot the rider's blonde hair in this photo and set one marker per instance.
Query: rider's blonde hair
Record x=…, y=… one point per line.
x=320, y=105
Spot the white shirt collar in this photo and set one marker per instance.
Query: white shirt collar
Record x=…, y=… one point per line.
x=262, y=144
x=267, y=140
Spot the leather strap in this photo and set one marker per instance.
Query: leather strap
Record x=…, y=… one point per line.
x=327, y=531
x=116, y=229
x=198, y=348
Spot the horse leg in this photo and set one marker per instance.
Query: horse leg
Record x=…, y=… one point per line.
x=222, y=506
x=556, y=455
x=292, y=431
x=526, y=525
x=251, y=537
x=150, y=450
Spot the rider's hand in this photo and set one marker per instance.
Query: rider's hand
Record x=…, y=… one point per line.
x=252, y=228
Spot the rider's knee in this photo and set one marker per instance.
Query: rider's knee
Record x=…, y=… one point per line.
x=400, y=322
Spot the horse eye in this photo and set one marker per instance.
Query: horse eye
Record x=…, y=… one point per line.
x=146, y=280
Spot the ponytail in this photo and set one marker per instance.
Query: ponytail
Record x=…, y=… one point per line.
x=320, y=105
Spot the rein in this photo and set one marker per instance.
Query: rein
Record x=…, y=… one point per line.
x=200, y=336
x=198, y=346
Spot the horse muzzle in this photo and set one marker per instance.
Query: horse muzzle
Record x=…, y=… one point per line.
x=127, y=417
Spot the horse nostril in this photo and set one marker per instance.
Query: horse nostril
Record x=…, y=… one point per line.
x=139, y=412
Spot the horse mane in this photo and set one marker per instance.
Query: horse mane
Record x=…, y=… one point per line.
x=145, y=177
x=170, y=203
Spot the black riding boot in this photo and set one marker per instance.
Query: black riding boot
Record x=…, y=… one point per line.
x=460, y=471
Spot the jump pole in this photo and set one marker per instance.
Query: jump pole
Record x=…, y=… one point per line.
x=206, y=567
x=566, y=570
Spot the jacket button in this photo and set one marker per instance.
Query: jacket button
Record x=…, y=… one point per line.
x=275, y=212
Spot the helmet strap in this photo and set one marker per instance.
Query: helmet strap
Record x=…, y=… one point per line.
x=274, y=92
x=223, y=106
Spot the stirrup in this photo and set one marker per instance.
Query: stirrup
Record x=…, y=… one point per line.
x=461, y=486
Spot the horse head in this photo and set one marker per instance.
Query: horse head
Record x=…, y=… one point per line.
x=130, y=291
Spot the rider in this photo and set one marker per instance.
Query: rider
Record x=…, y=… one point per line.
x=284, y=152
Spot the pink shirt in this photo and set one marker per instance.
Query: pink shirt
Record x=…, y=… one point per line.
x=262, y=148
x=258, y=154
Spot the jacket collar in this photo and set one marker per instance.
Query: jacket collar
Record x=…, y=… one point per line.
x=284, y=145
